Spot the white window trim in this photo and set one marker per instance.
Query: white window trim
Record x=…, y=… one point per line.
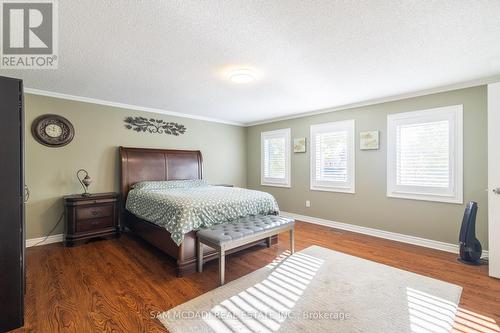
x=453, y=113
x=273, y=181
x=351, y=163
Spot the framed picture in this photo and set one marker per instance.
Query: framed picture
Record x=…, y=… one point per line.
x=369, y=140
x=299, y=145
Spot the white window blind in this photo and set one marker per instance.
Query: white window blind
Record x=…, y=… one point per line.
x=332, y=156
x=425, y=154
x=275, y=151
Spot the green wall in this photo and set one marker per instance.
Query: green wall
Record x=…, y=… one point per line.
x=232, y=155
x=369, y=206
x=50, y=172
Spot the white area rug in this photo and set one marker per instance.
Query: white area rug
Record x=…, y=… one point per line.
x=320, y=290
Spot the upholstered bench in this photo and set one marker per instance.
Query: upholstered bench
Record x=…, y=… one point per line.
x=230, y=235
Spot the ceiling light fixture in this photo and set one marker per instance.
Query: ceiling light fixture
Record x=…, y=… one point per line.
x=241, y=76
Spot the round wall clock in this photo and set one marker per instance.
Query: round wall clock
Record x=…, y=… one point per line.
x=52, y=130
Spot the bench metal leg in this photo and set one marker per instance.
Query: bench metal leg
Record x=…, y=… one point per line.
x=199, y=247
x=268, y=241
x=222, y=266
x=292, y=240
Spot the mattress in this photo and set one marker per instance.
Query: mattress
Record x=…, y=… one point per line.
x=184, y=206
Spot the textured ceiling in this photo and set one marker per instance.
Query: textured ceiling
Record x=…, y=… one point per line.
x=311, y=55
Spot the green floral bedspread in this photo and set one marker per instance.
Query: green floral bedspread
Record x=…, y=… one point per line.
x=183, y=206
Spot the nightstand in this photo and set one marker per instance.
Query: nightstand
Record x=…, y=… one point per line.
x=92, y=216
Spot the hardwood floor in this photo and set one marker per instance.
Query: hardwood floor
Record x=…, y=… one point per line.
x=120, y=285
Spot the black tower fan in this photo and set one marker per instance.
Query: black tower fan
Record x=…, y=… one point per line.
x=470, y=247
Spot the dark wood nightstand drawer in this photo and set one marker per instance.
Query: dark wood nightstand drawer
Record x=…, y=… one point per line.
x=91, y=216
x=94, y=224
x=84, y=213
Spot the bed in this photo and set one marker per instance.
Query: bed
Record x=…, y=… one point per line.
x=142, y=164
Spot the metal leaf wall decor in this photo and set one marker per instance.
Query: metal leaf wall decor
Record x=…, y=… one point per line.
x=151, y=125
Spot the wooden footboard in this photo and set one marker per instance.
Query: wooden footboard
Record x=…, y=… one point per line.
x=185, y=254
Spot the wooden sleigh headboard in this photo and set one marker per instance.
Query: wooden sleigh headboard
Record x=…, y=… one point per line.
x=143, y=164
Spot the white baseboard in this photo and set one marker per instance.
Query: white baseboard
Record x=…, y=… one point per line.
x=42, y=241
x=433, y=244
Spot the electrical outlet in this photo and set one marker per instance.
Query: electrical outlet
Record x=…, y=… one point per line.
x=308, y=203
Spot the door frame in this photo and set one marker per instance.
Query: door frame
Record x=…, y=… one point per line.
x=494, y=179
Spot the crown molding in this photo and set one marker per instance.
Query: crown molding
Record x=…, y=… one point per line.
x=125, y=106
x=393, y=98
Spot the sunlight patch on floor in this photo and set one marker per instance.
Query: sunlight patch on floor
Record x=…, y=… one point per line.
x=428, y=313
x=266, y=305
x=470, y=322
x=431, y=314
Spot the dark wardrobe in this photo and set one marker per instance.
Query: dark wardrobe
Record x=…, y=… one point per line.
x=12, y=239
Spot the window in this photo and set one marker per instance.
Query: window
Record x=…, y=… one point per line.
x=332, y=157
x=424, y=155
x=275, y=159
